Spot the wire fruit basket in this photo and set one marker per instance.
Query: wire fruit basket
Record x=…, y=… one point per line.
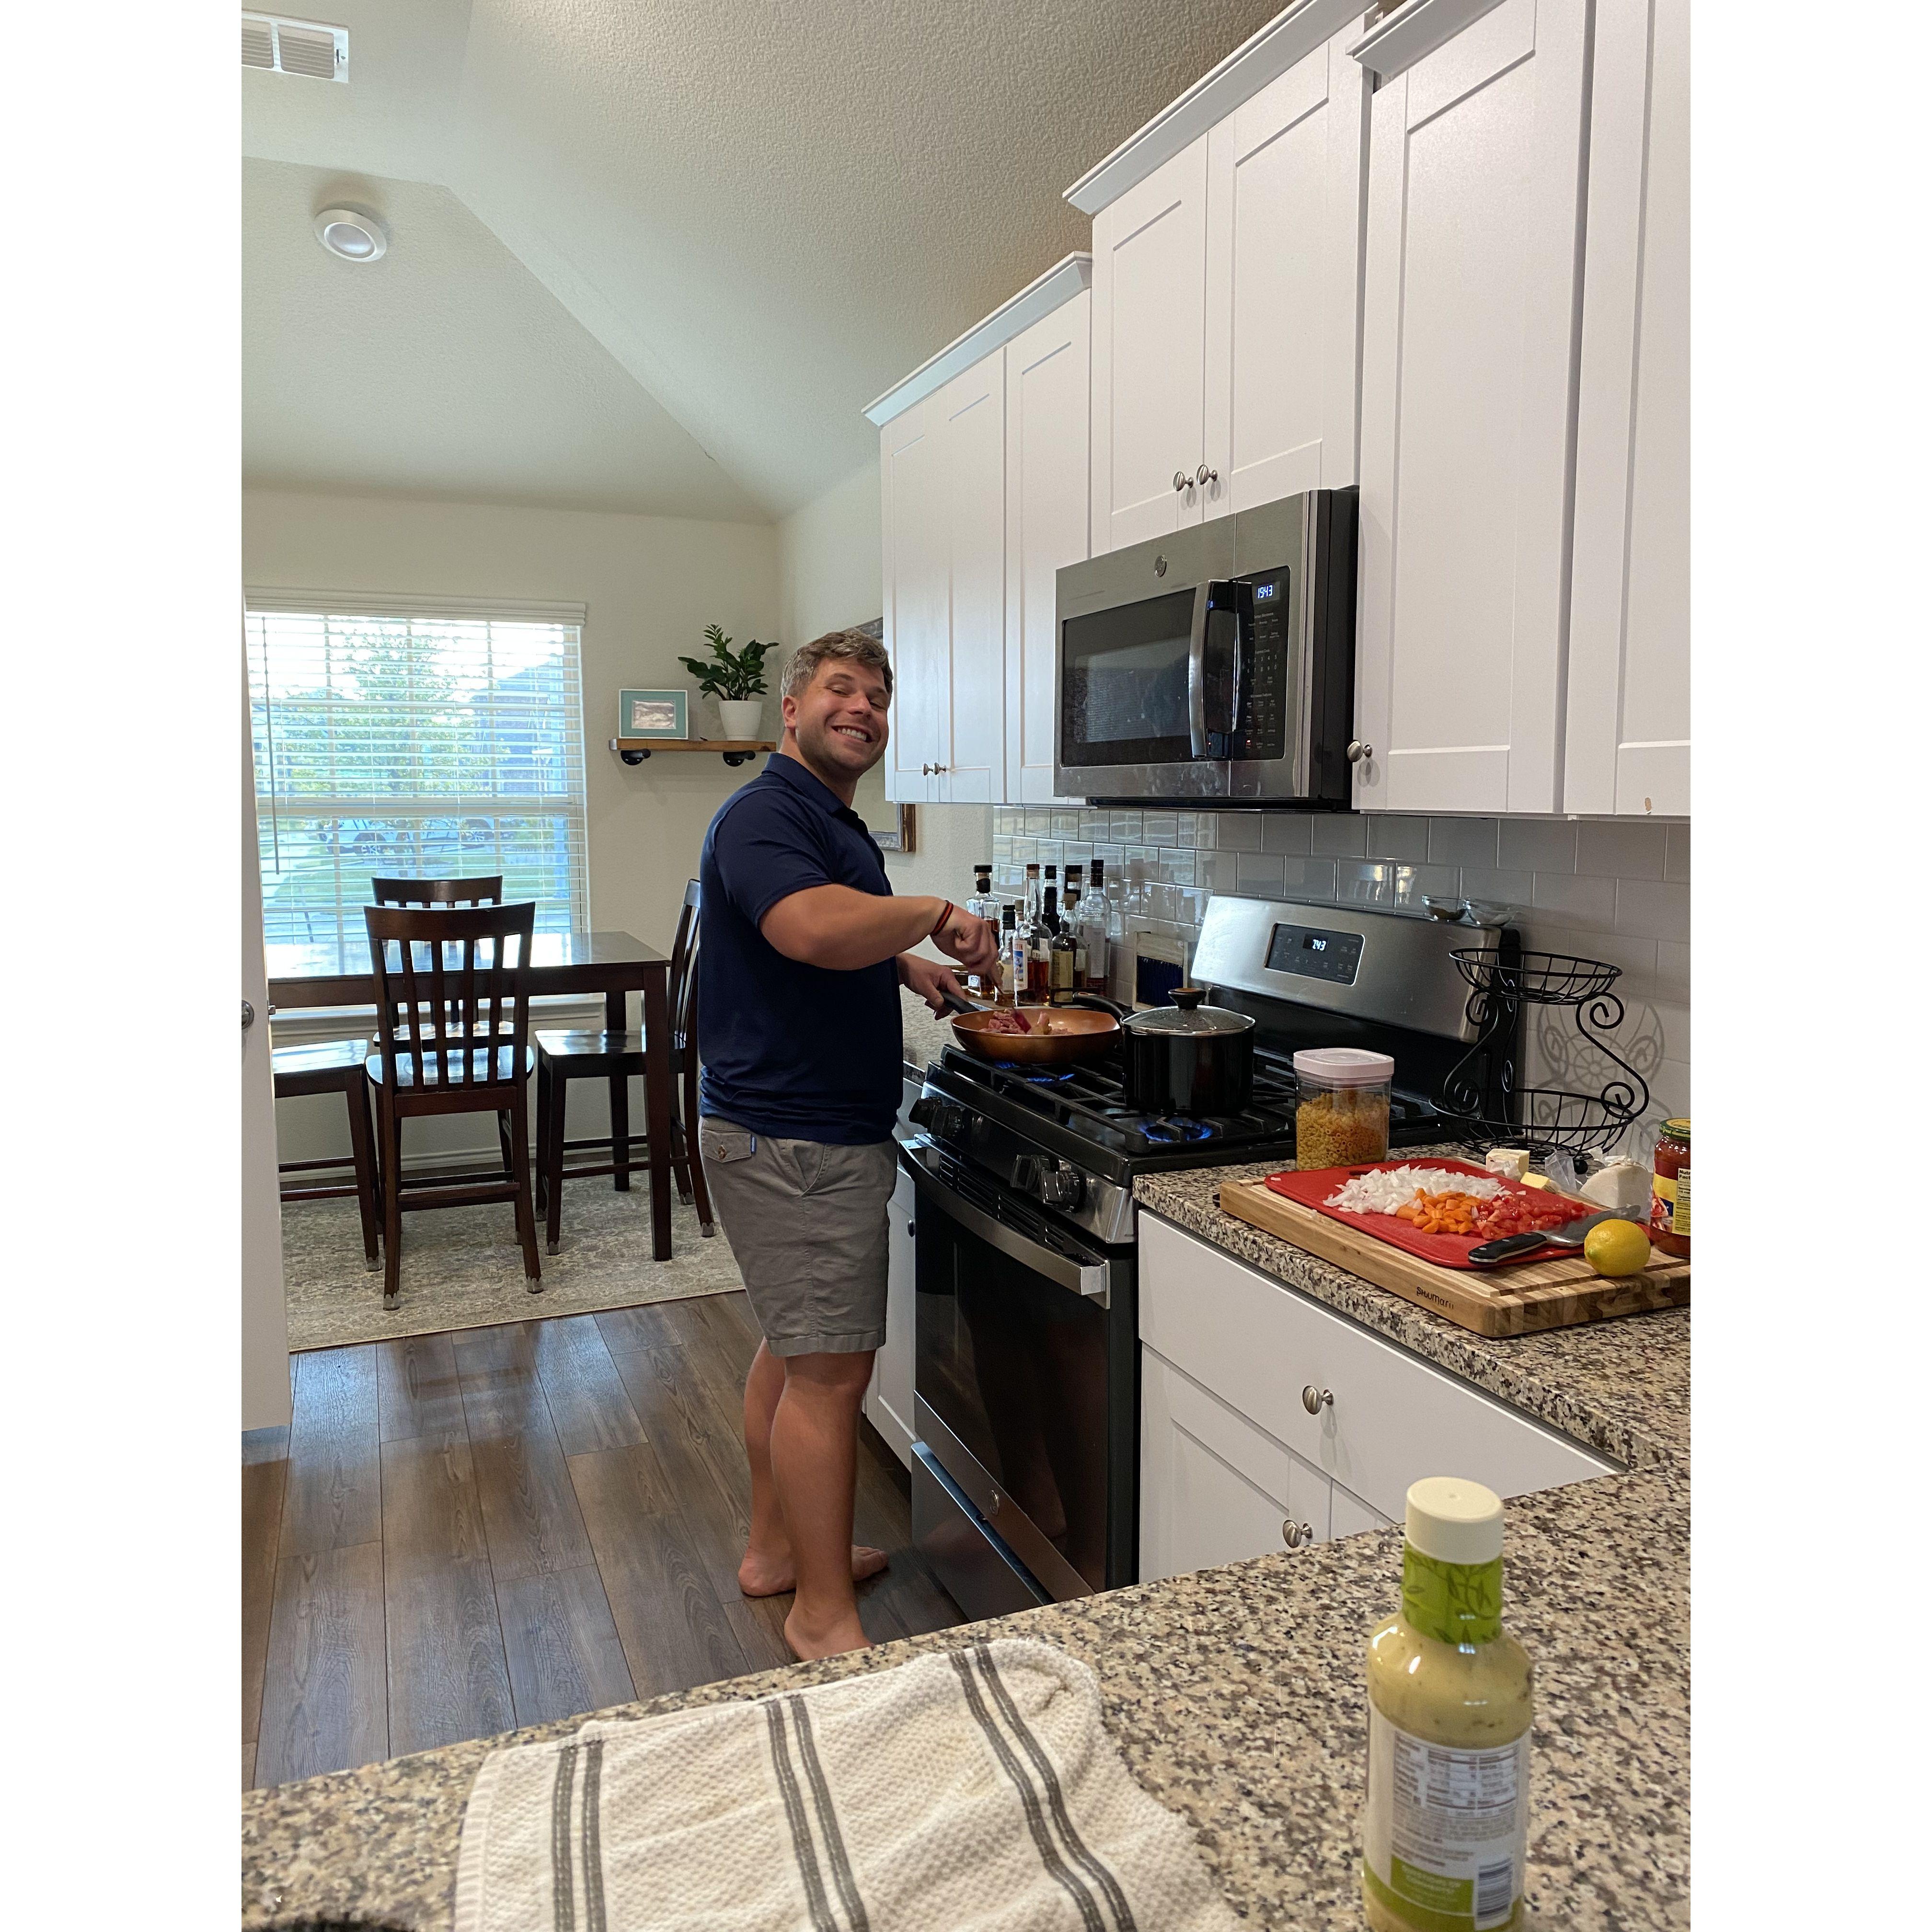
x=1542, y=1119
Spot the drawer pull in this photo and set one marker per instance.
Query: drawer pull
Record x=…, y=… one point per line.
x=1294, y=1535
x=1315, y=1400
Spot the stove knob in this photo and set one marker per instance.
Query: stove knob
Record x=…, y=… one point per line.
x=1063, y=1187
x=944, y=1120
x=1049, y=1180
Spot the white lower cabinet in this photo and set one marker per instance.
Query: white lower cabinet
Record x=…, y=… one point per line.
x=888, y=1395
x=1267, y=1419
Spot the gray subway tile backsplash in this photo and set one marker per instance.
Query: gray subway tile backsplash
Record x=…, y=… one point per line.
x=1619, y=891
x=1258, y=874
x=1462, y=841
x=1574, y=898
x=1655, y=909
x=1620, y=849
x=1537, y=844
x=1339, y=836
x=1288, y=833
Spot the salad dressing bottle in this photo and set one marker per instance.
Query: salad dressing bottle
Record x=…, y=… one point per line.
x=1450, y=1707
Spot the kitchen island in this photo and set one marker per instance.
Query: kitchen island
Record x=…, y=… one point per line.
x=1236, y=1694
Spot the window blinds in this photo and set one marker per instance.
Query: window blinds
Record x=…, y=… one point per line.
x=422, y=738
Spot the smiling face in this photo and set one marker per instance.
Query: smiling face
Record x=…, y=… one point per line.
x=836, y=725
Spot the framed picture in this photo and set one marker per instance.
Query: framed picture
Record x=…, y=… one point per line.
x=654, y=714
x=899, y=838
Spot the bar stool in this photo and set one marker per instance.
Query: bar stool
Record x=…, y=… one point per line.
x=335, y=1066
x=564, y=1055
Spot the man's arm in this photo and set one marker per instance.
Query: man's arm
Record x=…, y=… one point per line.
x=836, y=927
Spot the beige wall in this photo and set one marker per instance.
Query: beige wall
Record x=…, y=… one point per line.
x=829, y=576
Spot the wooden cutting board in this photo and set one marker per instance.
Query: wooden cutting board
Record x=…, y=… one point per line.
x=1518, y=1301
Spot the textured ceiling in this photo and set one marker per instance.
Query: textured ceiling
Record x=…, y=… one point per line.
x=764, y=214
x=445, y=369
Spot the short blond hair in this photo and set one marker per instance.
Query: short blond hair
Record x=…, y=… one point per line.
x=860, y=647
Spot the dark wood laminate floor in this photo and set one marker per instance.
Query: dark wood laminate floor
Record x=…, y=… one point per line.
x=459, y=1534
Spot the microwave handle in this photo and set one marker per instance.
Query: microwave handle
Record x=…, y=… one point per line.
x=1197, y=671
x=1225, y=596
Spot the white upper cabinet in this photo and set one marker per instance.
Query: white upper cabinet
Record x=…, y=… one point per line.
x=1627, y=746
x=1046, y=529
x=1226, y=285
x=917, y=566
x=962, y=566
x=972, y=434
x=1150, y=354
x=1285, y=174
x=1475, y=207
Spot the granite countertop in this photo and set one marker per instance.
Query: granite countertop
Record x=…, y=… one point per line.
x=1236, y=1695
x=1622, y=1387
x=923, y=1032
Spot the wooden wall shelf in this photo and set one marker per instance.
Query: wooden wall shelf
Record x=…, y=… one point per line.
x=733, y=750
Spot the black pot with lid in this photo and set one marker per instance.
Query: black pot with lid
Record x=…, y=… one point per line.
x=1190, y=1057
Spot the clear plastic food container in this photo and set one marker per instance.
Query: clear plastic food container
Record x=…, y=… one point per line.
x=1342, y=1113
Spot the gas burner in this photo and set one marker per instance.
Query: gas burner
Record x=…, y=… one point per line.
x=1177, y=1128
x=1036, y=1076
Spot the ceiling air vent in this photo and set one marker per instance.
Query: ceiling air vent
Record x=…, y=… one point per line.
x=308, y=47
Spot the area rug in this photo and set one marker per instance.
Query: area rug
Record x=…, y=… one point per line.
x=462, y=1268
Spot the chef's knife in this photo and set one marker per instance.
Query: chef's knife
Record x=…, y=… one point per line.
x=1489, y=1253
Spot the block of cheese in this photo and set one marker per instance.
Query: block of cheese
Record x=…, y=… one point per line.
x=1512, y=1162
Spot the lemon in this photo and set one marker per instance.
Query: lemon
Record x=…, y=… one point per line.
x=1617, y=1247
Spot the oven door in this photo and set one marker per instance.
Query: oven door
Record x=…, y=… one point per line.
x=1023, y=1374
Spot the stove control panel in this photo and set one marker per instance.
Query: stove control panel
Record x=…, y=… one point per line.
x=1312, y=952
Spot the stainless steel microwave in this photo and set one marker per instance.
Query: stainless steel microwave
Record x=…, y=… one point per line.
x=1216, y=663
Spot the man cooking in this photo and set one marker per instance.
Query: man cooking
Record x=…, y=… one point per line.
x=804, y=948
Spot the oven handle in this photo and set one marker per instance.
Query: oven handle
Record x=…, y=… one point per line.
x=1089, y=1279
x=1197, y=671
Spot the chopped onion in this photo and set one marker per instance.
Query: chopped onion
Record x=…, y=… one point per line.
x=1395, y=1187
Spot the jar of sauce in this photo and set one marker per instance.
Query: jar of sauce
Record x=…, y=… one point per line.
x=1670, y=1190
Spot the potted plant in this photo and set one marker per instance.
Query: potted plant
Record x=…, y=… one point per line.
x=736, y=678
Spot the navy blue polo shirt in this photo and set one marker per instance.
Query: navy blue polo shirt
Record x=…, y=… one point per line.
x=799, y=1052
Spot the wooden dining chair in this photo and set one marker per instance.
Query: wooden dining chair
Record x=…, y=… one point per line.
x=335, y=1066
x=564, y=1055
x=453, y=1009
x=486, y=889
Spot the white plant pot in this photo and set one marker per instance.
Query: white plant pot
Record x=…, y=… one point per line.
x=742, y=716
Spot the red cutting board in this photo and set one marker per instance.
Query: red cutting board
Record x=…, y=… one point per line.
x=1313, y=1188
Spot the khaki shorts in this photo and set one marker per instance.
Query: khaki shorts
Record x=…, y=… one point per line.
x=807, y=1222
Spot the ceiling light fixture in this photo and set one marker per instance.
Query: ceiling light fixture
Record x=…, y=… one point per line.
x=348, y=233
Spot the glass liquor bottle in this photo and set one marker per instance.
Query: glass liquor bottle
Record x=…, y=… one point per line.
x=1012, y=956
x=1040, y=949
x=983, y=905
x=1068, y=963
x=1095, y=926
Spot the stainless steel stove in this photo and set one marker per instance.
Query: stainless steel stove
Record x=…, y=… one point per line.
x=1026, y=1372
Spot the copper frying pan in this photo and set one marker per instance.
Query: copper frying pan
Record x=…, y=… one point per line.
x=1055, y=1035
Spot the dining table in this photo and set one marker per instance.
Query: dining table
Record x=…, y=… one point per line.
x=613, y=964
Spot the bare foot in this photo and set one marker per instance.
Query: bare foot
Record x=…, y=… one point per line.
x=808, y=1640
x=773, y=1576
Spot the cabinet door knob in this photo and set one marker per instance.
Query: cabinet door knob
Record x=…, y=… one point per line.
x=1204, y=476
x=1315, y=1400
x=1180, y=479
x=1358, y=750
x=1294, y=1535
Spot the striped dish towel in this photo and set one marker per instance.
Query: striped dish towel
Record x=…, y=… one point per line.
x=973, y=1790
